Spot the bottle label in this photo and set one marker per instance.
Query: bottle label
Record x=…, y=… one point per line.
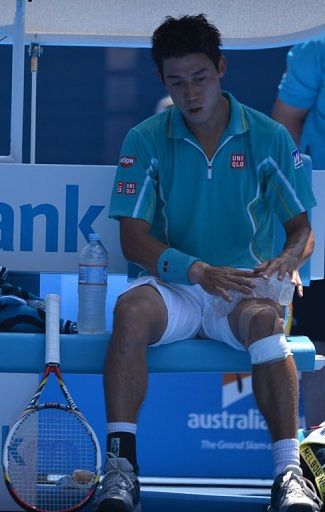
x=92, y=274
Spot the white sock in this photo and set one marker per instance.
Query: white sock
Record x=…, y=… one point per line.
x=285, y=453
x=121, y=426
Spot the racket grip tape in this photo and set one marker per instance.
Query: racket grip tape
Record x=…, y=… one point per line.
x=52, y=332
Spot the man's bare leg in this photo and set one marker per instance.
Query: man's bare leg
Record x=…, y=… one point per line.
x=140, y=319
x=275, y=384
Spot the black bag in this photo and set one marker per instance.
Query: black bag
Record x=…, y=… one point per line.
x=22, y=311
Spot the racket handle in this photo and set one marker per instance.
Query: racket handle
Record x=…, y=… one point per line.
x=52, y=333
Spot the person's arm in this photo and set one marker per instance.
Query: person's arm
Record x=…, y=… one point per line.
x=291, y=117
x=300, y=241
x=139, y=246
x=298, y=247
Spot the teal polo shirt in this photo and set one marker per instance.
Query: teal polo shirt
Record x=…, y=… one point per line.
x=219, y=210
x=303, y=86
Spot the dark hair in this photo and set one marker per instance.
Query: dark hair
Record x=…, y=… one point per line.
x=177, y=37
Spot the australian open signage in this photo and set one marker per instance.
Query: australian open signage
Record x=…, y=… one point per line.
x=48, y=211
x=205, y=425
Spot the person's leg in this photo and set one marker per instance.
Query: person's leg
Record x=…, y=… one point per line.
x=150, y=313
x=259, y=325
x=275, y=383
x=140, y=319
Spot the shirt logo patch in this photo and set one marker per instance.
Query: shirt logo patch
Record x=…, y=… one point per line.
x=120, y=187
x=237, y=161
x=131, y=188
x=127, y=161
x=297, y=160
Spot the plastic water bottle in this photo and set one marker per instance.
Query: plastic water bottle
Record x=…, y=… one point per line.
x=92, y=287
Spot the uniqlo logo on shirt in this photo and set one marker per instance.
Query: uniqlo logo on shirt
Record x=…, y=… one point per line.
x=130, y=188
x=237, y=161
x=120, y=187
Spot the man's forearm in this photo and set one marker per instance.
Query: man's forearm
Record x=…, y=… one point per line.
x=144, y=251
x=300, y=245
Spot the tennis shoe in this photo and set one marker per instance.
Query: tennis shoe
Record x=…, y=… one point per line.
x=291, y=492
x=119, y=490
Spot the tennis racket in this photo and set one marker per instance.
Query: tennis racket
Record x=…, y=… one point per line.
x=51, y=455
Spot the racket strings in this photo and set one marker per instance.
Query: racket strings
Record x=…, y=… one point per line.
x=52, y=460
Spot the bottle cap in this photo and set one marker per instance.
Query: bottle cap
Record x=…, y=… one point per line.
x=94, y=236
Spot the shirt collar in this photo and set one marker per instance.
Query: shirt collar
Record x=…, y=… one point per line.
x=237, y=123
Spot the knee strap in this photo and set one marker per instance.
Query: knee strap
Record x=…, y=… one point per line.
x=272, y=348
x=247, y=316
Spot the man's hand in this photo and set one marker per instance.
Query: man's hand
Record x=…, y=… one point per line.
x=281, y=265
x=298, y=247
x=219, y=280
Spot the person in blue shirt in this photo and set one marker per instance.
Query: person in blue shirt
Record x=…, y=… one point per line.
x=196, y=192
x=300, y=106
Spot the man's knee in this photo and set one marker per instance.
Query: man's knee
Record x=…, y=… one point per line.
x=261, y=329
x=140, y=316
x=265, y=322
x=257, y=318
x=131, y=310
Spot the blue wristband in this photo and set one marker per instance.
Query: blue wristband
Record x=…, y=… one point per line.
x=173, y=266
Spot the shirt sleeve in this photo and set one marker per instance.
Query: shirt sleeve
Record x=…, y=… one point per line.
x=301, y=82
x=134, y=190
x=287, y=188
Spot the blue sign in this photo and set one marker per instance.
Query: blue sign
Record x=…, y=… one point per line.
x=191, y=425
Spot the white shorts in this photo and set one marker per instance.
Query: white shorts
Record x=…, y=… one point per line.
x=191, y=313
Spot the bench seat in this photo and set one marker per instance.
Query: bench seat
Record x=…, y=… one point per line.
x=24, y=353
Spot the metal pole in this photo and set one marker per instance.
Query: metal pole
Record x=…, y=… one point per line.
x=17, y=101
x=35, y=52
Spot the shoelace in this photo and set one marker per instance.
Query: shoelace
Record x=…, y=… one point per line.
x=301, y=486
x=115, y=478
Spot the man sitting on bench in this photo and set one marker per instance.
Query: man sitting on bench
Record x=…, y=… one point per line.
x=196, y=192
